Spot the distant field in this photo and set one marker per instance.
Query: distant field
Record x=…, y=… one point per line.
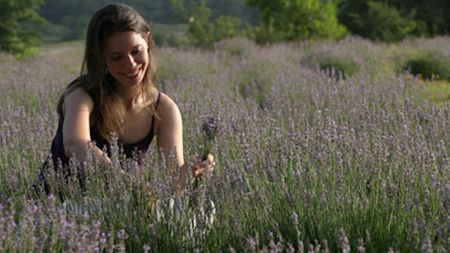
x=325, y=147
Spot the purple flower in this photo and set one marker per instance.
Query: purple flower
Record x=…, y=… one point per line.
x=212, y=128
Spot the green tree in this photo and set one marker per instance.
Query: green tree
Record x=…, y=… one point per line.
x=185, y=9
x=386, y=23
x=199, y=31
x=17, y=20
x=202, y=30
x=297, y=20
x=432, y=13
x=378, y=20
x=225, y=27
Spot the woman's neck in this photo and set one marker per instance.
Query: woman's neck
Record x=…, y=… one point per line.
x=130, y=97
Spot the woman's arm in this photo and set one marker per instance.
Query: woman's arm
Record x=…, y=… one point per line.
x=169, y=130
x=78, y=106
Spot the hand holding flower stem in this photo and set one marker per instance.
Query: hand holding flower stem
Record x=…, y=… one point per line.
x=211, y=128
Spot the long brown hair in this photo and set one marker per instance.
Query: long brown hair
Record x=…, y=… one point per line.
x=107, y=114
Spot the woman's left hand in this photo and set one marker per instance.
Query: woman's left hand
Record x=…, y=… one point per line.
x=200, y=167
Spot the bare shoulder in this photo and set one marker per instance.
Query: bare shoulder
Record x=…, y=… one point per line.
x=168, y=112
x=167, y=106
x=78, y=99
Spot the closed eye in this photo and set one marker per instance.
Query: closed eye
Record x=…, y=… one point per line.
x=116, y=57
x=136, y=51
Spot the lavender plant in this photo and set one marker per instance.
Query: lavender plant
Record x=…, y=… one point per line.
x=360, y=164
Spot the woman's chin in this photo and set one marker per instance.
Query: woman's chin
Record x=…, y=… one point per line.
x=130, y=82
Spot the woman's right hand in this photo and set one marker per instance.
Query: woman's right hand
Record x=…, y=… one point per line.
x=200, y=167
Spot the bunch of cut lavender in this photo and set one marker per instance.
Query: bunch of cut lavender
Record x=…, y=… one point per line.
x=211, y=128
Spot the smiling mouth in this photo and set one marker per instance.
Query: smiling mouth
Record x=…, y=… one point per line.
x=134, y=74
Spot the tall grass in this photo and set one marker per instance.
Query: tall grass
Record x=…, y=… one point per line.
x=305, y=162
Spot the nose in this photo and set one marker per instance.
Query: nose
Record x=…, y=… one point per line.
x=131, y=62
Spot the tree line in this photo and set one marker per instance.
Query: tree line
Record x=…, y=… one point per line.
x=22, y=22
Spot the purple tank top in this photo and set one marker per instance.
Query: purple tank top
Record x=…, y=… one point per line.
x=137, y=149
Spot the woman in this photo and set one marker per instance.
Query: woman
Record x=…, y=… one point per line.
x=115, y=97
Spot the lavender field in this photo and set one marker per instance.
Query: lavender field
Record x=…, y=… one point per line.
x=307, y=160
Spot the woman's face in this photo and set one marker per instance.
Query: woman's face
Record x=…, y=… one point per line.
x=126, y=56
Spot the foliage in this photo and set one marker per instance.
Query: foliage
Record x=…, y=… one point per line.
x=169, y=35
x=236, y=8
x=57, y=10
x=281, y=20
x=437, y=91
x=340, y=61
x=17, y=20
x=203, y=33
x=429, y=65
x=199, y=31
x=254, y=84
x=69, y=19
x=183, y=9
x=226, y=27
x=338, y=67
x=431, y=13
x=290, y=20
x=379, y=21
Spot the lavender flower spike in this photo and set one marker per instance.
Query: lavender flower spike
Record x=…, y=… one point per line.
x=212, y=128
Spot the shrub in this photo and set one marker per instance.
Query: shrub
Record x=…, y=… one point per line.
x=289, y=20
x=429, y=65
x=335, y=61
x=255, y=84
x=338, y=67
